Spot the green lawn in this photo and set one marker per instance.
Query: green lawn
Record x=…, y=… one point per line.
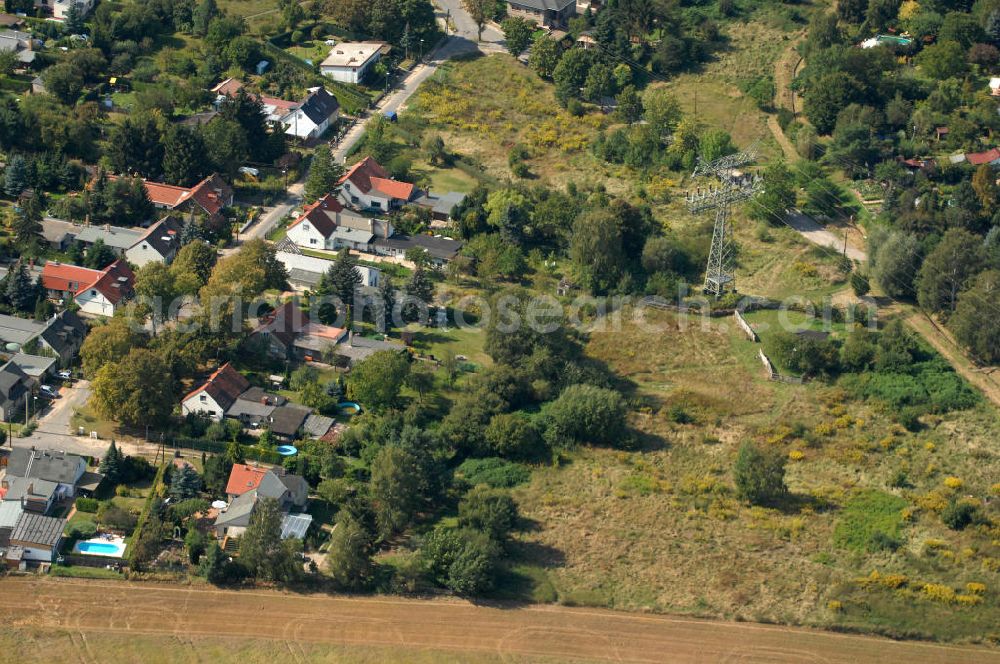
x=310, y=51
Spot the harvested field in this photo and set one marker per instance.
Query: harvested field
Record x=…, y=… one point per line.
x=121, y=622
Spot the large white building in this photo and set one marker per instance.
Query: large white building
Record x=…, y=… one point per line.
x=60, y=8
x=350, y=62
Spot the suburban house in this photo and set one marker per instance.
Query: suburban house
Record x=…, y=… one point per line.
x=60, y=8
x=37, y=367
x=991, y=157
x=313, y=116
x=357, y=348
x=304, y=119
x=350, y=62
x=35, y=538
x=326, y=224
x=208, y=197
x=305, y=272
x=67, y=471
x=546, y=13
x=227, y=393
x=62, y=335
x=248, y=485
x=34, y=495
x=367, y=186
x=214, y=397
x=289, y=334
x=97, y=292
x=159, y=244
x=10, y=514
x=20, y=43
x=15, y=386
x=440, y=205
x=439, y=249
x=114, y=237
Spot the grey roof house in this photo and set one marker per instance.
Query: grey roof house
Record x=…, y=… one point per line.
x=35, y=538
x=256, y=484
x=15, y=385
x=68, y=471
x=547, y=13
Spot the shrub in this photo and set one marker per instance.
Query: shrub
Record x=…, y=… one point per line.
x=870, y=521
x=584, y=413
x=759, y=475
x=959, y=514
x=81, y=530
x=87, y=504
x=493, y=471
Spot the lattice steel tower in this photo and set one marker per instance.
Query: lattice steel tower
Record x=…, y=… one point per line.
x=732, y=187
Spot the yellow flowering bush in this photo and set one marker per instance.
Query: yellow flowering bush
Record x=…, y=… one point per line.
x=953, y=483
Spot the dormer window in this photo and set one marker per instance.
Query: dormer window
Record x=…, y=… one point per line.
x=305, y=227
x=202, y=398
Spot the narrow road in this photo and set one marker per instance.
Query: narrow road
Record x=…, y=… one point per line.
x=461, y=629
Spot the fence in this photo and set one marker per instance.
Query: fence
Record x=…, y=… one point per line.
x=82, y=560
x=772, y=373
x=745, y=326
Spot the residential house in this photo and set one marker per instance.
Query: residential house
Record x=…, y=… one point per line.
x=311, y=118
x=214, y=397
x=990, y=157
x=305, y=272
x=209, y=197
x=97, y=292
x=367, y=186
x=287, y=421
x=253, y=408
x=247, y=486
x=37, y=367
x=440, y=205
x=325, y=224
x=289, y=334
x=10, y=514
x=67, y=471
x=546, y=13
x=116, y=238
x=34, y=495
x=60, y=8
x=62, y=335
x=58, y=233
x=20, y=43
x=439, y=249
x=15, y=386
x=306, y=119
x=350, y=62
x=35, y=538
x=159, y=244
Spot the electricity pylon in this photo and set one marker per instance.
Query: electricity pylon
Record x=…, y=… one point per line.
x=733, y=187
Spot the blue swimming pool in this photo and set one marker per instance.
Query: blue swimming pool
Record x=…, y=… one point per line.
x=101, y=547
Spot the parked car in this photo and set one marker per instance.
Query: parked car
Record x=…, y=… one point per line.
x=65, y=374
x=49, y=391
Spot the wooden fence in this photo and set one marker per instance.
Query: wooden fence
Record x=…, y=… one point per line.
x=745, y=326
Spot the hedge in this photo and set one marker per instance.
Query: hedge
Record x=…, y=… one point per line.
x=87, y=504
x=155, y=494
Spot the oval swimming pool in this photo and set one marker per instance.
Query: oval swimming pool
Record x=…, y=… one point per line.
x=287, y=450
x=99, y=548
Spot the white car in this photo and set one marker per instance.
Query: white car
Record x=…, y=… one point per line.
x=49, y=391
x=65, y=374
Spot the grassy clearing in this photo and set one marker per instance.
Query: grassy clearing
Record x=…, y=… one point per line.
x=84, y=572
x=659, y=528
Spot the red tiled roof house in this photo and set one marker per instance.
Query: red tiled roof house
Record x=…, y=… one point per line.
x=97, y=292
x=367, y=185
x=214, y=397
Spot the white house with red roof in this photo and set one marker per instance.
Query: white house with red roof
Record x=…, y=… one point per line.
x=305, y=119
x=208, y=197
x=214, y=397
x=97, y=292
x=367, y=186
x=326, y=224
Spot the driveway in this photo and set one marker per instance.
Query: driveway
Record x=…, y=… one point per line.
x=811, y=230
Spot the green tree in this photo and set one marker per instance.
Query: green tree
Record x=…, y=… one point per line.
x=376, y=380
x=111, y=464
x=263, y=552
x=420, y=286
x=517, y=33
x=777, y=194
x=137, y=391
x=185, y=160
x=214, y=564
x=597, y=251
x=571, y=74
x=629, y=105
x=99, y=255
x=107, y=344
x=136, y=147
x=192, y=267
x=895, y=258
x=545, y=54
x=65, y=81
x=194, y=542
x=830, y=94
x=323, y=174
x=349, y=558
x=435, y=149
x=73, y=19
x=463, y=560
x=600, y=83
x=759, y=475
x=185, y=483
x=15, y=176
x=513, y=436
x=948, y=269
x=943, y=60
x=202, y=15
x=480, y=11
x=661, y=109
x=585, y=414
x=22, y=292
x=975, y=321
x=394, y=489
x=715, y=143
x=226, y=144
x=27, y=226
x=488, y=510
x=341, y=279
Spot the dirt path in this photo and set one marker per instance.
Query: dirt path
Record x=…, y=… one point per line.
x=784, y=97
x=96, y=607
x=942, y=341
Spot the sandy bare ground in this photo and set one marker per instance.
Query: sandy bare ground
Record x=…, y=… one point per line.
x=96, y=607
